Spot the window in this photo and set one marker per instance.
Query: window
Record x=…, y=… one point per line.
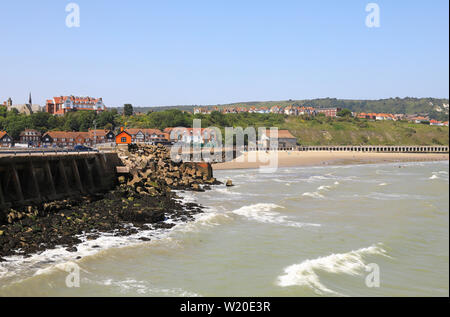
x=123, y=140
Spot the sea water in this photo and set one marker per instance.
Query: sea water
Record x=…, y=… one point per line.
x=306, y=231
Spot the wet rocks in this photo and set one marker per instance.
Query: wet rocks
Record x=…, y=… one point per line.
x=149, y=164
x=229, y=183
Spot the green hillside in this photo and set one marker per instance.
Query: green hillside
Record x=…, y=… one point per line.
x=318, y=130
x=431, y=106
x=354, y=132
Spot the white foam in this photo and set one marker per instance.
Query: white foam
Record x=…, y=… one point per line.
x=130, y=286
x=383, y=184
x=305, y=273
x=226, y=191
x=434, y=177
x=264, y=213
x=317, y=178
x=210, y=219
x=313, y=195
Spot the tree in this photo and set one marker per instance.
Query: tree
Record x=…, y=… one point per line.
x=128, y=109
x=344, y=113
x=107, y=118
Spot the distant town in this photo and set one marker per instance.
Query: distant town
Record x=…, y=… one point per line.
x=93, y=137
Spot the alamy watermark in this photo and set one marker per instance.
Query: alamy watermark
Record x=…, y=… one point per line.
x=373, y=278
x=73, y=278
x=206, y=145
x=73, y=16
x=373, y=18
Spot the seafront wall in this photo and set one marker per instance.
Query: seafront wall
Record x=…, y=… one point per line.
x=39, y=178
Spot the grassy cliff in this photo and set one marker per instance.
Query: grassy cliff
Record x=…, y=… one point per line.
x=324, y=131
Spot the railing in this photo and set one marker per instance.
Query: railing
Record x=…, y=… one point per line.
x=359, y=148
x=47, y=152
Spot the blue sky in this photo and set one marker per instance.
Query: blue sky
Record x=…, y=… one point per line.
x=151, y=53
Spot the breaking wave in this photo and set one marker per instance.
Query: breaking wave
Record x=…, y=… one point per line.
x=264, y=213
x=313, y=195
x=306, y=273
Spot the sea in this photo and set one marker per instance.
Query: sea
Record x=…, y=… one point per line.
x=350, y=230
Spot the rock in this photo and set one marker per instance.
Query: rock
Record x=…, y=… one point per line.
x=121, y=179
x=229, y=183
x=72, y=249
x=1, y=233
x=122, y=169
x=140, y=190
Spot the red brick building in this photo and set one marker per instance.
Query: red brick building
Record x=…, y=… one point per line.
x=328, y=112
x=70, y=139
x=62, y=105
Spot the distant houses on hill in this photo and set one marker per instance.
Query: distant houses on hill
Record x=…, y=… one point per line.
x=63, y=104
x=289, y=110
x=311, y=111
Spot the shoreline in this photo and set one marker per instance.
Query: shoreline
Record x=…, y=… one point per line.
x=321, y=158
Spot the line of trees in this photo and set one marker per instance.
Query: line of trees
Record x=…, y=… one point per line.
x=14, y=123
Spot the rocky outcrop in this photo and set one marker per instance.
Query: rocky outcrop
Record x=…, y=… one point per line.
x=151, y=170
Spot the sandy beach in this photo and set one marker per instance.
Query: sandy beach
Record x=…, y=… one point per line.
x=296, y=158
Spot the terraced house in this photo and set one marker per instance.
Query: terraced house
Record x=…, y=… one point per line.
x=70, y=139
x=30, y=137
x=147, y=135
